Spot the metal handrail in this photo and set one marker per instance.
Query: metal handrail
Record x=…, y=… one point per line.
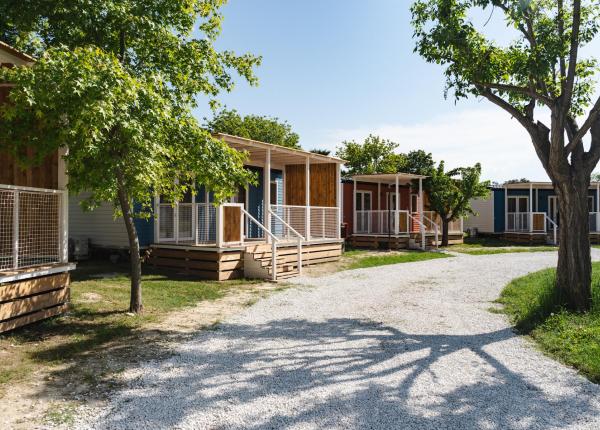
x=274, y=241
x=435, y=229
x=298, y=235
x=554, y=226
x=424, y=229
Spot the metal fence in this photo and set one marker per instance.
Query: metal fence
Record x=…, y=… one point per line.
x=312, y=222
x=31, y=227
x=187, y=223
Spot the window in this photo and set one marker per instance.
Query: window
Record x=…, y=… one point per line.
x=274, y=193
x=392, y=201
x=518, y=204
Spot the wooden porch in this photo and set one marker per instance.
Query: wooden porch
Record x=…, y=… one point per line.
x=294, y=212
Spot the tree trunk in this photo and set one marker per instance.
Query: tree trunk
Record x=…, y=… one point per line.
x=135, y=303
x=445, y=224
x=573, y=273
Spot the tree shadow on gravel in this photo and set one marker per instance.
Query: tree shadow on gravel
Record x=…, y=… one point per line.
x=345, y=373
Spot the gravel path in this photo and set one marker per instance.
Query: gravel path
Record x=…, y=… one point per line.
x=405, y=346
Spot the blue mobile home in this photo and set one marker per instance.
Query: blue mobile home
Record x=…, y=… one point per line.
x=528, y=212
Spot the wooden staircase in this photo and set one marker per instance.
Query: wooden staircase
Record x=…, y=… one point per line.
x=258, y=262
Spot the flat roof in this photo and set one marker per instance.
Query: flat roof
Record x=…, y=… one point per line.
x=279, y=153
x=389, y=178
x=543, y=185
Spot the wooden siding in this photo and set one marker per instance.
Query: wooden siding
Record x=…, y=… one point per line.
x=24, y=302
x=232, y=216
x=322, y=184
x=44, y=175
x=212, y=265
x=295, y=184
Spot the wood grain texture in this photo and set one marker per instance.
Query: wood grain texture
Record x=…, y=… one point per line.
x=232, y=216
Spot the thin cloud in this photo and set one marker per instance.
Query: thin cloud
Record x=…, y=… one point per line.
x=462, y=138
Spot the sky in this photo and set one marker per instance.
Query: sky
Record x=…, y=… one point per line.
x=343, y=69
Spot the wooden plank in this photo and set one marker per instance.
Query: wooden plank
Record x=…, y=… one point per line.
x=34, y=303
x=232, y=224
x=323, y=184
x=42, y=175
x=295, y=184
x=33, y=286
x=31, y=318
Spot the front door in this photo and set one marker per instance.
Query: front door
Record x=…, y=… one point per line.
x=363, y=208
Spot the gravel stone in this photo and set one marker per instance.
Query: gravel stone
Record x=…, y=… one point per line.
x=405, y=346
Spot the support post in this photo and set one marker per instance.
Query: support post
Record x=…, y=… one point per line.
x=530, y=207
x=338, y=199
x=15, y=230
x=267, y=194
x=176, y=221
x=307, y=185
x=421, y=218
x=219, y=226
x=156, y=218
x=63, y=180
x=396, y=208
x=354, y=223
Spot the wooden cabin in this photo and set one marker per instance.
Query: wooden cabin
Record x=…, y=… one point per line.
x=34, y=267
x=290, y=219
x=392, y=211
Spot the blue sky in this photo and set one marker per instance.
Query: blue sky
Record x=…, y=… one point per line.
x=340, y=70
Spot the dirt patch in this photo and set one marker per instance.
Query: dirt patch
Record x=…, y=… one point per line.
x=46, y=393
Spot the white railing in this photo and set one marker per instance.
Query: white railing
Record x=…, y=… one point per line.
x=415, y=218
x=382, y=222
x=187, y=223
x=517, y=222
x=282, y=230
x=32, y=227
x=554, y=227
x=312, y=222
x=274, y=241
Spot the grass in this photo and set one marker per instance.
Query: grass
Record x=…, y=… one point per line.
x=495, y=245
x=394, y=258
x=98, y=323
x=535, y=308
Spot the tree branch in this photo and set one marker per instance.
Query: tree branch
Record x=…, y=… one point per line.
x=517, y=89
x=570, y=81
x=585, y=127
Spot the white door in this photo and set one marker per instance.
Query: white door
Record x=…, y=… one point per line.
x=363, y=208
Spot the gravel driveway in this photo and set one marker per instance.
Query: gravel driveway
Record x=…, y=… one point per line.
x=405, y=346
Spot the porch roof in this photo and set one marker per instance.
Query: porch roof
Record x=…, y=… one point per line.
x=539, y=185
x=279, y=154
x=388, y=178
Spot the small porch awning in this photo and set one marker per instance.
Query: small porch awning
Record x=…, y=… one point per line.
x=388, y=178
x=279, y=155
x=540, y=185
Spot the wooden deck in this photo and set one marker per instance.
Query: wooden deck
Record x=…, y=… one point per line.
x=25, y=301
x=399, y=241
x=221, y=264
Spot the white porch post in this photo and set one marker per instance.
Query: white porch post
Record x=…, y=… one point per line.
x=354, y=206
x=338, y=199
x=219, y=226
x=421, y=215
x=63, y=180
x=15, y=229
x=156, y=218
x=307, y=184
x=267, y=194
x=530, y=207
x=396, y=217
x=379, y=212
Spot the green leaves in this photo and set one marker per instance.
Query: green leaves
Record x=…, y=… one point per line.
x=450, y=192
x=261, y=128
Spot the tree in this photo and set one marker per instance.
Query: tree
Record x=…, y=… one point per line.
x=517, y=181
x=115, y=86
x=255, y=127
x=540, y=69
x=321, y=151
x=450, y=193
x=374, y=155
x=417, y=162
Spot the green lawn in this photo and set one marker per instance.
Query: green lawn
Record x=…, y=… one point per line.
x=98, y=323
x=394, y=258
x=573, y=338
